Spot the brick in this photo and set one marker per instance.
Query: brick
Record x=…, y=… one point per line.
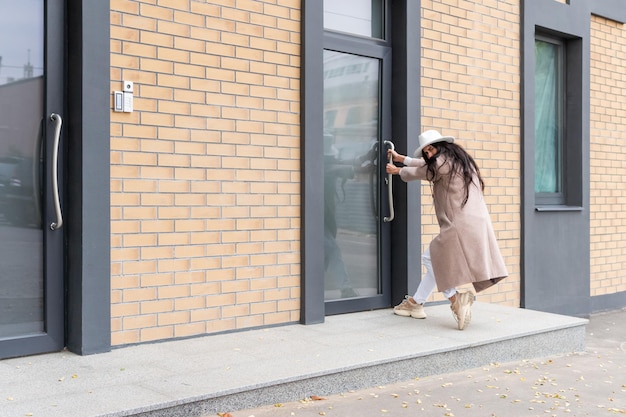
x=205, y=316
x=157, y=306
x=124, y=337
x=156, y=333
x=137, y=322
x=189, y=329
x=190, y=19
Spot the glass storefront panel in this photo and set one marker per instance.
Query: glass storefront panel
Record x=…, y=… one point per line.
x=21, y=100
x=351, y=117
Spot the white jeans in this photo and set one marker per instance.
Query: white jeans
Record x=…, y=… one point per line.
x=428, y=283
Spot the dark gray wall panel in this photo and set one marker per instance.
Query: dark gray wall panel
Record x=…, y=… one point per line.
x=406, y=124
x=555, y=244
x=312, y=166
x=87, y=198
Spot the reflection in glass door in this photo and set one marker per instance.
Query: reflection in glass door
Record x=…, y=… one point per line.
x=29, y=289
x=351, y=137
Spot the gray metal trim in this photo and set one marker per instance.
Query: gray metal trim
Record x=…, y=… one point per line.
x=406, y=236
x=312, y=167
x=571, y=19
x=610, y=9
x=608, y=302
x=88, y=190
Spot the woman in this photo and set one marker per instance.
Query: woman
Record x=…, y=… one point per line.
x=465, y=250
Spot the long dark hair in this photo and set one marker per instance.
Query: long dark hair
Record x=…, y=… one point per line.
x=461, y=162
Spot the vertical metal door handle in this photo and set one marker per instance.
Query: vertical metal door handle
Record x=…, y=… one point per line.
x=390, y=187
x=55, y=172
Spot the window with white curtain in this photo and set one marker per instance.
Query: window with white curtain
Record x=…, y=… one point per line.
x=549, y=120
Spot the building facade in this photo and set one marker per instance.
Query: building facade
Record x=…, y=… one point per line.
x=167, y=165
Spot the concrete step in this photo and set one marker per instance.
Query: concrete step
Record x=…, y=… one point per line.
x=206, y=375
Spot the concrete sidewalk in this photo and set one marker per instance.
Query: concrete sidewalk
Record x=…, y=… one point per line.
x=588, y=383
x=219, y=373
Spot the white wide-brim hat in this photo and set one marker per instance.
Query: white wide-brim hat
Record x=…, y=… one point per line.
x=428, y=138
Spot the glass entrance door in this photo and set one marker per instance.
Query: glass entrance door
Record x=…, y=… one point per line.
x=350, y=175
x=357, y=77
x=355, y=270
x=31, y=247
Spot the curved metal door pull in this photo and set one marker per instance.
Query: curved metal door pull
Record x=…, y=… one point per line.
x=390, y=187
x=55, y=172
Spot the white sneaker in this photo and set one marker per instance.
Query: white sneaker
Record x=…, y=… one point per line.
x=410, y=309
x=462, y=309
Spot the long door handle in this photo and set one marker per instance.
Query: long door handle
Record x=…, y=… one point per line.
x=55, y=171
x=390, y=187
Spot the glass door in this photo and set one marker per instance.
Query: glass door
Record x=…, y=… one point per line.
x=351, y=178
x=357, y=78
x=31, y=247
x=354, y=183
x=357, y=65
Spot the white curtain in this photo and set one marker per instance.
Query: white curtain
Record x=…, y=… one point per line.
x=547, y=157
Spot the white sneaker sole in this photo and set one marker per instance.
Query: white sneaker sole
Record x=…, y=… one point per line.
x=420, y=315
x=406, y=313
x=403, y=313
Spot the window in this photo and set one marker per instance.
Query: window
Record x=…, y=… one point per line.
x=549, y=121
x=558, y=115
x=357, y=17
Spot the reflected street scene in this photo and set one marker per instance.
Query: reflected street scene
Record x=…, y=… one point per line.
x=351, y=123
x=21, y=101
x=21, y=289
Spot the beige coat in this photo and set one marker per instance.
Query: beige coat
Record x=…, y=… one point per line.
x=465, y=250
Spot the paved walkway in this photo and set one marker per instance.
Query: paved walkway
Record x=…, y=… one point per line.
x=589, y=383
x=235, y=371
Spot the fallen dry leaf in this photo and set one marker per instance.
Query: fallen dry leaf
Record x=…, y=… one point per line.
x=316, y=398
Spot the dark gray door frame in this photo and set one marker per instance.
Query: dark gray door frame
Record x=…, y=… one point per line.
x=405, y=125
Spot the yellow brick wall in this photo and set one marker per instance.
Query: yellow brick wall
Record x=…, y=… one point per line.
x=471, y=90
x=608, y=157
x=205, y=173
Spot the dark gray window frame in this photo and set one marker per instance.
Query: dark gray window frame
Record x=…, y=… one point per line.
x=569, y=22
x=571, y=137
